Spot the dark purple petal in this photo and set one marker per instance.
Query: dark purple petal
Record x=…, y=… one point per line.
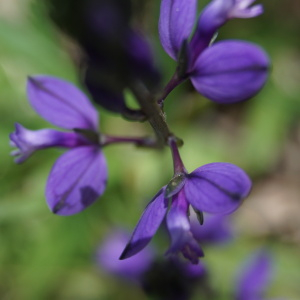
x=217, y=188
x=178, y=225
x=76, y=180
x=147, y=225
x=108, y=257
x=140, y=59
x=254, y=277
x=216, y=229
x=61, y=103
x=28, y=141
x=230, y=71
x=110, y=98
x=176, y=22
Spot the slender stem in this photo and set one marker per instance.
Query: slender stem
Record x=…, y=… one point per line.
x=154, y=113
x=171, y=85
x=106, y=140
x=177, y=161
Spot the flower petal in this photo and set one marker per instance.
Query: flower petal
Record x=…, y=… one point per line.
x=230, y=71
x=140, y=58
x=28, y=141
x=61, y=103
x=76, y=180
x=215, y=15
x=176, y=22
x=147, y=225
x=217, y=188
x=179, y=228
x=254, y=277
x=242, y=9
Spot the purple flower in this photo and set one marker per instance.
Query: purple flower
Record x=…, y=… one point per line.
x=79, y=176
x=216, y=188
x=226, y=72
x=254, y=277
x=28, y=141
x=215, y=15
x=108, y=253
x=176, y=22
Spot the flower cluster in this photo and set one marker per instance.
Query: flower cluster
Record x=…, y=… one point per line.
x=216, y=188
x=217, y=71
x=79, y=176
x=225, y=72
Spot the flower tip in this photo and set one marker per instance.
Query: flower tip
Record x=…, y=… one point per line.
x=34, y=83
x=258, y=9
x=132, y=248
x=18, y=127
x=126, y=253
x=33, y=80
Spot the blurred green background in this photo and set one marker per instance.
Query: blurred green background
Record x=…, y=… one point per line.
x=44, y=256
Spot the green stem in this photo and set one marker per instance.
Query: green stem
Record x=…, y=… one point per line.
x=106, y=140
x=154, y=113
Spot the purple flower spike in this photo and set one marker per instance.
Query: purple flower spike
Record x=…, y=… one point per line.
x=254, y=277
x=230, y=71
x=79, y=176
x=61, y=103
x=176, y=22
x=217, y=188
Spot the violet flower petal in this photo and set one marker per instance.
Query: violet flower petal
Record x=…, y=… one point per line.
x=217, y=188
x=61, y=103
x=147, y=225
x=230, y=71
x=242, y=9
x=179, y=228
x=254, y=277
x=28, y=141
x=176, y=22
x=76, y=180
x=131, y=268
x=215, y=15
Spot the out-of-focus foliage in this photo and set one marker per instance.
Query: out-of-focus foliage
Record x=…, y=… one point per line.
x=44, y=256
